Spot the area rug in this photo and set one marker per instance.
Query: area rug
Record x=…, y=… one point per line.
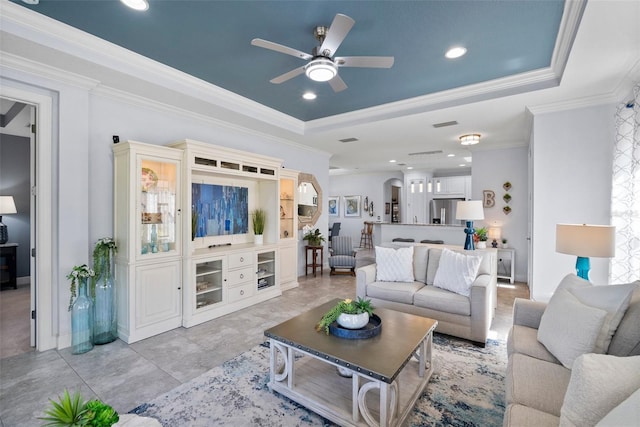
x=466, y=389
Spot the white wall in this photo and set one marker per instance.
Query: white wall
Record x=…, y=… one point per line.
x=491, y=169
x=365, y=185
x=572, y=163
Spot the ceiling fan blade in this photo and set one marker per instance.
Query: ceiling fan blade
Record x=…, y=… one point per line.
x=365, y=61
x=280, y=48
x=287, y=76
x=338, y=30
x=337, y=84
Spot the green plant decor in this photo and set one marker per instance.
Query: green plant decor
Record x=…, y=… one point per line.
x=259, y=220
x=315, y=238
x=70, y=411
x=482, y=234
x=78, y=272
x=347, y=306
x=103, y=252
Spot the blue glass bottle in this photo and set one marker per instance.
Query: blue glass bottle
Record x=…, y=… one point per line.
x=82, y=320
x=105, y=326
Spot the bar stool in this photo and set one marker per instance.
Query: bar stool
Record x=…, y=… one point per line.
x=366, y=235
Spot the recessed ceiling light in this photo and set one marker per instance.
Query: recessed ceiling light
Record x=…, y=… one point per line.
x=470, y=139
x=462, y=164
x=409, y=167
x=137, y=4
x=451, y=155
x=392, y=161
x=455, y=52
x=309, y=96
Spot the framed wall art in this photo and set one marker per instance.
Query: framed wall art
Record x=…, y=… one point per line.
x=334, y=206
x=352, y=206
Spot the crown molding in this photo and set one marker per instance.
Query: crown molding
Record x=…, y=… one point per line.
x=571, y=17
x=573, y=104
x=48, y=32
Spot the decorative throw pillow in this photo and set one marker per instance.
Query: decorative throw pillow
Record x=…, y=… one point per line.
x=394, y=265
x=614, y=299
x=569, y=328
x=599, y=383
x=624, y=413
x=456, y=272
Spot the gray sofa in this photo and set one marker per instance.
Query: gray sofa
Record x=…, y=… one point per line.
x=536, y=381
x=458, y=315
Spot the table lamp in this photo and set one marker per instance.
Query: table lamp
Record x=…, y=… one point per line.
x=469, y=211
x=494, y=233
x=7, y=206
x=585, y=241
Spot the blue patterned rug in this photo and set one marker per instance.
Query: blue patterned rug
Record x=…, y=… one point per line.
x=466, y=389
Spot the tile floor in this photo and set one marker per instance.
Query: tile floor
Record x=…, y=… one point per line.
x=127, y=375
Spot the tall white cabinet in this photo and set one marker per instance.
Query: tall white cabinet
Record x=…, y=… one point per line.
x=148, y=230
x=288, y=240
x=176, y=268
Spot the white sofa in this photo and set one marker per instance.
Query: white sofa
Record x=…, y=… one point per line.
x=538, y=386
x=465, y=317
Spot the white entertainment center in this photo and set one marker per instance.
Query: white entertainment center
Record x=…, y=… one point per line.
x=182, y=262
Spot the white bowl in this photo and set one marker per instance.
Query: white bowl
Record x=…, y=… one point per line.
x=353, y=321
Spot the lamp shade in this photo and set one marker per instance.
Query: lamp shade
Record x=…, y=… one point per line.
x=469, y=210
x=7, y=205
x=586, y=240
x=494, y=233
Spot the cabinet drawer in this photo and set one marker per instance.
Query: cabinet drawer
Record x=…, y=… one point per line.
x=239, y=292
x=240, y=260
x=235, y=277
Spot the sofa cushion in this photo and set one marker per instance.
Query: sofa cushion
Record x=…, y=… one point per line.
x=420, y=258
x=402, y=292
x=524, y=340
x=614, y=299
x=394, y=265
x=535, y=383
x=626, y=341
x=599, y=383
x=523, y=416
x=456, y=272
x=624, y=413
x=569, y=328
x=442, y=300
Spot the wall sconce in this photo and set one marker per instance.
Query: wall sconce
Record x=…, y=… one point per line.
x=470, y=139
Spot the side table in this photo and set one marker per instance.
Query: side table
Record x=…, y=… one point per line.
x=506, y=264
x=315, y=251
x=8, y=265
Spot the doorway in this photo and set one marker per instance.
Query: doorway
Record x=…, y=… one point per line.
x=40, y=223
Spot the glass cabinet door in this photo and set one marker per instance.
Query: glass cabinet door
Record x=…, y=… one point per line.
x=287, y=205
x=158, y=207
x=209, y=279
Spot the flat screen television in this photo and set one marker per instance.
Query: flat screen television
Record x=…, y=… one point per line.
x=219, y=210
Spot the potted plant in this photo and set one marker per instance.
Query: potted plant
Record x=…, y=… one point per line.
x=504, y=243
x=314, y=237
x=348, y=313
x=105, y=326
x=72, y=411
x=259, y=218
x=481, y=234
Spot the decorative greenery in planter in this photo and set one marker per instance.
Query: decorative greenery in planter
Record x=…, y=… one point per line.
x=259, y=219
x=481, y=233
x=506, y=210
x=78, y=272
x=103, y=252
x=346, y=306
x=507, y=197
x=315, y=238
x=72, y=411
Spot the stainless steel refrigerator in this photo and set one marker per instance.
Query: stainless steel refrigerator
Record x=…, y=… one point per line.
x=443, y=211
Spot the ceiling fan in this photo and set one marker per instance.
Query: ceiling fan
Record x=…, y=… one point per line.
x=322, y=65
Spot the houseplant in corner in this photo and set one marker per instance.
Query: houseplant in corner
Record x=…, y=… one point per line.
x=105, y=326
x=348, y=313
x=81, y=310
x=481, y=234
x=314, y=237
x=259, y=218
x=72, y=411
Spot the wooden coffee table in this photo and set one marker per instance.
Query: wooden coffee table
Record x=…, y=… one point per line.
x=389, y=371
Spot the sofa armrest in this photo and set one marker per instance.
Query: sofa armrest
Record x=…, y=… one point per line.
x=481, y=298
x=364, y=276
x=528, y=313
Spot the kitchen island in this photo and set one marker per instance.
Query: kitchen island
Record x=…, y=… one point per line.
x=385, y=232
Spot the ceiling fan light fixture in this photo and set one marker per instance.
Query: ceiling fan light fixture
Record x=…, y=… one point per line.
x=137, y=4
x=309, y=96
x=470, y=139
x=455, y=52
x=321, y=70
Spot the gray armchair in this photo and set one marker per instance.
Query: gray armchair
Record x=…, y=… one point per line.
x=342, y=256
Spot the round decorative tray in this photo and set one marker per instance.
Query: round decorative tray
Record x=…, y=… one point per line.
x=371, y=329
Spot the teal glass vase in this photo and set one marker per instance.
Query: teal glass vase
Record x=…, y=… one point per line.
x=105, y=325
x=82, y=320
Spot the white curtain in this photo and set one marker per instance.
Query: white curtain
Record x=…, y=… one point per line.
x=625, y=195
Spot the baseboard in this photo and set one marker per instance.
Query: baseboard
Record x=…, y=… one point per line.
x=24, y=280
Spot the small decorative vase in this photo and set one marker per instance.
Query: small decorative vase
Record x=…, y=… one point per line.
x=82, y=320
x=105, y=326
x=353, y=321
x=258, y=239
x=481, y=245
